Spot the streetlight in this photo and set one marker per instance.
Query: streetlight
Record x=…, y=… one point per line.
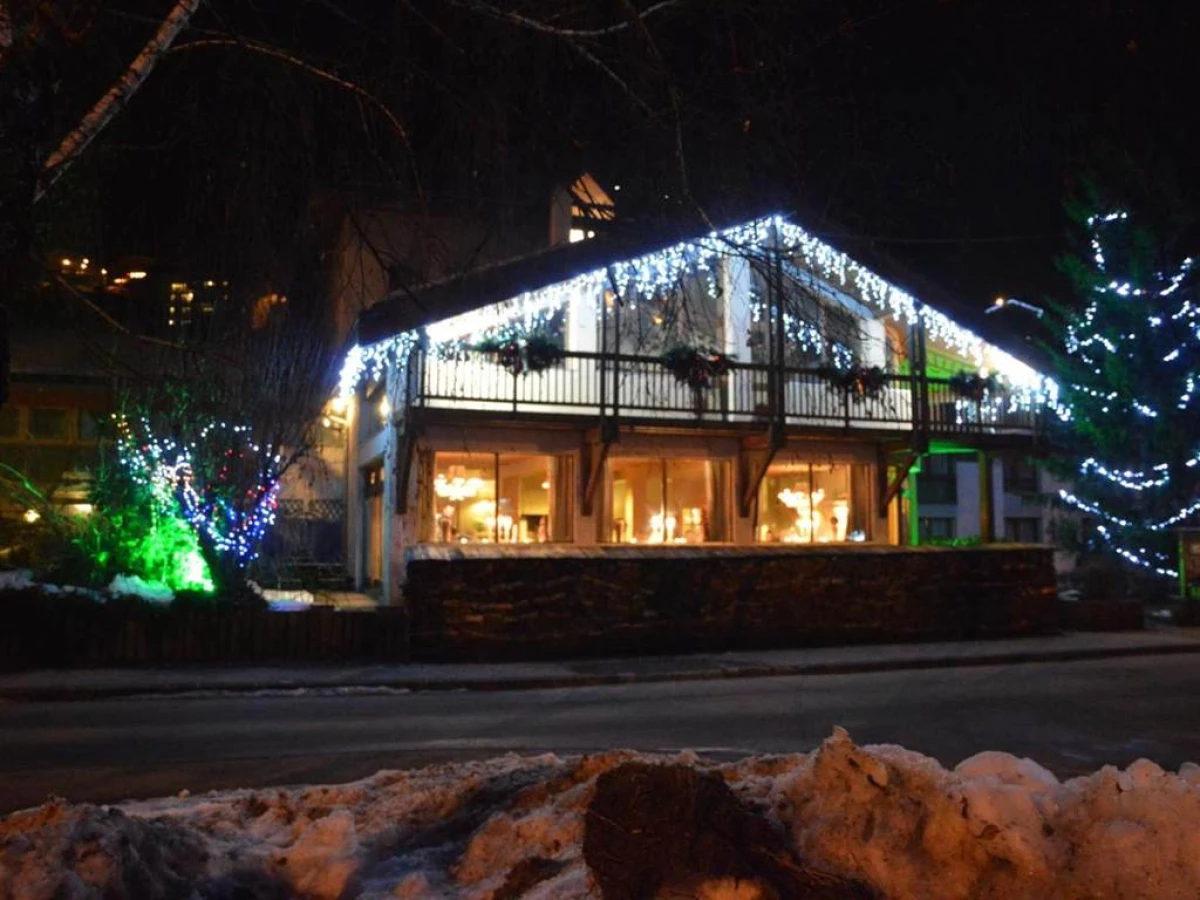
x=1002, y=302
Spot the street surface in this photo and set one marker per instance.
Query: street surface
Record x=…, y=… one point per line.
x=1072, y=717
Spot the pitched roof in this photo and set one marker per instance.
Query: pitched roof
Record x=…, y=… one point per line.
x=406, y=310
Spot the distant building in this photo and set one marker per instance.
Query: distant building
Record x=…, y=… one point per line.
x=61, y=388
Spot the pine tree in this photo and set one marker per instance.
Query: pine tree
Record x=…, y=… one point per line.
x=1128, y=365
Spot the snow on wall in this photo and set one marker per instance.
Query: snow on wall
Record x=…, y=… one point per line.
x=993, y=827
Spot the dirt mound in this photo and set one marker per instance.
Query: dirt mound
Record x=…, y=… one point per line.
x=659, y=830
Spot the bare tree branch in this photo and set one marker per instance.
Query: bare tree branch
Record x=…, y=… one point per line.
x=117, y=96
x=535, y=25
x=325, y=75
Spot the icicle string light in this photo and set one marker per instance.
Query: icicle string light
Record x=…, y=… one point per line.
x=646, y=275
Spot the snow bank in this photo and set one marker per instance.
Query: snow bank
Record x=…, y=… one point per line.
x=134, y=585
x=283, y=601
x=993, y=827
x=16, y=580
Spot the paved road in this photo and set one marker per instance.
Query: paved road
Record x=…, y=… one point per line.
x=1072, y=717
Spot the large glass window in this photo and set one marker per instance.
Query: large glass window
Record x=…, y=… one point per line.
x=500, y=498
x=803, y=502
x=667, y=501
x=688, y=313
x=817, y=328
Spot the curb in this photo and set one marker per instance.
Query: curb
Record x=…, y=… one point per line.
x=482, y=685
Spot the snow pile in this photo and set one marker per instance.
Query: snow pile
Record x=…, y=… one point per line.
x=994, y=827
x=121, y=585
x=283, y=600
x=135, y=585
x=16, y=580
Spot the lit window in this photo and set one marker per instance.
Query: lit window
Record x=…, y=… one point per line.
x=528, y=507
x=803, y=502
x=575, y=235
x=667, y=501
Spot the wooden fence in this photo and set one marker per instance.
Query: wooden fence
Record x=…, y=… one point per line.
x=42, y=632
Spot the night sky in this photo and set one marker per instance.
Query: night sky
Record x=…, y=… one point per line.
x=942, y=133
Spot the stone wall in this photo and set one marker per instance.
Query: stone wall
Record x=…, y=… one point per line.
x=495, y=602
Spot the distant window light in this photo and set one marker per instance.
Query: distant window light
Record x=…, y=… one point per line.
x=137, y=275
x=576, y=235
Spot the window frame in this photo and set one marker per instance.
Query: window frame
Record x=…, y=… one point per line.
x=560, y=518
x=718, y=477
x=942, y=485
x=1011, y=526
x=1021, y=476
x=925, y=532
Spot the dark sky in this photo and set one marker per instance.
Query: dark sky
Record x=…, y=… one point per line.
x=942, y=132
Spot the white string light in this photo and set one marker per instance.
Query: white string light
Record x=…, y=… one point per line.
x=648, y=274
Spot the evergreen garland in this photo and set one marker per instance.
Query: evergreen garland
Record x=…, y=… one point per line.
x=522, y=354
x=698, y=367
x=973, y=386
x=859, y=382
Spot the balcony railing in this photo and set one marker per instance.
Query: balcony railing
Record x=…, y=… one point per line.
x=641, y=388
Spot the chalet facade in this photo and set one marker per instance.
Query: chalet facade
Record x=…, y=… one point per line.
x=825, y=389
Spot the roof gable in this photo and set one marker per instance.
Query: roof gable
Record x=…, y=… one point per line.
x=520, y=289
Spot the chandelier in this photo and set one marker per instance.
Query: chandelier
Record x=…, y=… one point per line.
x=457, y=487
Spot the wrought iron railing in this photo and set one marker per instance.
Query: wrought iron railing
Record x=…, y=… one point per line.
x=641, y=388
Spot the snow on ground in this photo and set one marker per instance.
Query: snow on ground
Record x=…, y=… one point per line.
x=993, y=827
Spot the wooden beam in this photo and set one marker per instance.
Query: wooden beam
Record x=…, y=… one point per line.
x=596, y=445
x=754, y=458
x=404, y=461
x=895, y=486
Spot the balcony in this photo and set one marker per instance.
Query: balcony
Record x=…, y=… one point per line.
x=640, y=389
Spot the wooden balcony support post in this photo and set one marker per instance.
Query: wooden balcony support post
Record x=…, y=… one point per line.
x=404, y=462
x=893, y=487
x=918, y=367
x=596, y=444
x=754, y=458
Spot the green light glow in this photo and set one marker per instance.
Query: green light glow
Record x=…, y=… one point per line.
x=169, y=552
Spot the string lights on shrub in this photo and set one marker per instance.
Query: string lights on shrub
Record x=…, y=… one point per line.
x=230, y=519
